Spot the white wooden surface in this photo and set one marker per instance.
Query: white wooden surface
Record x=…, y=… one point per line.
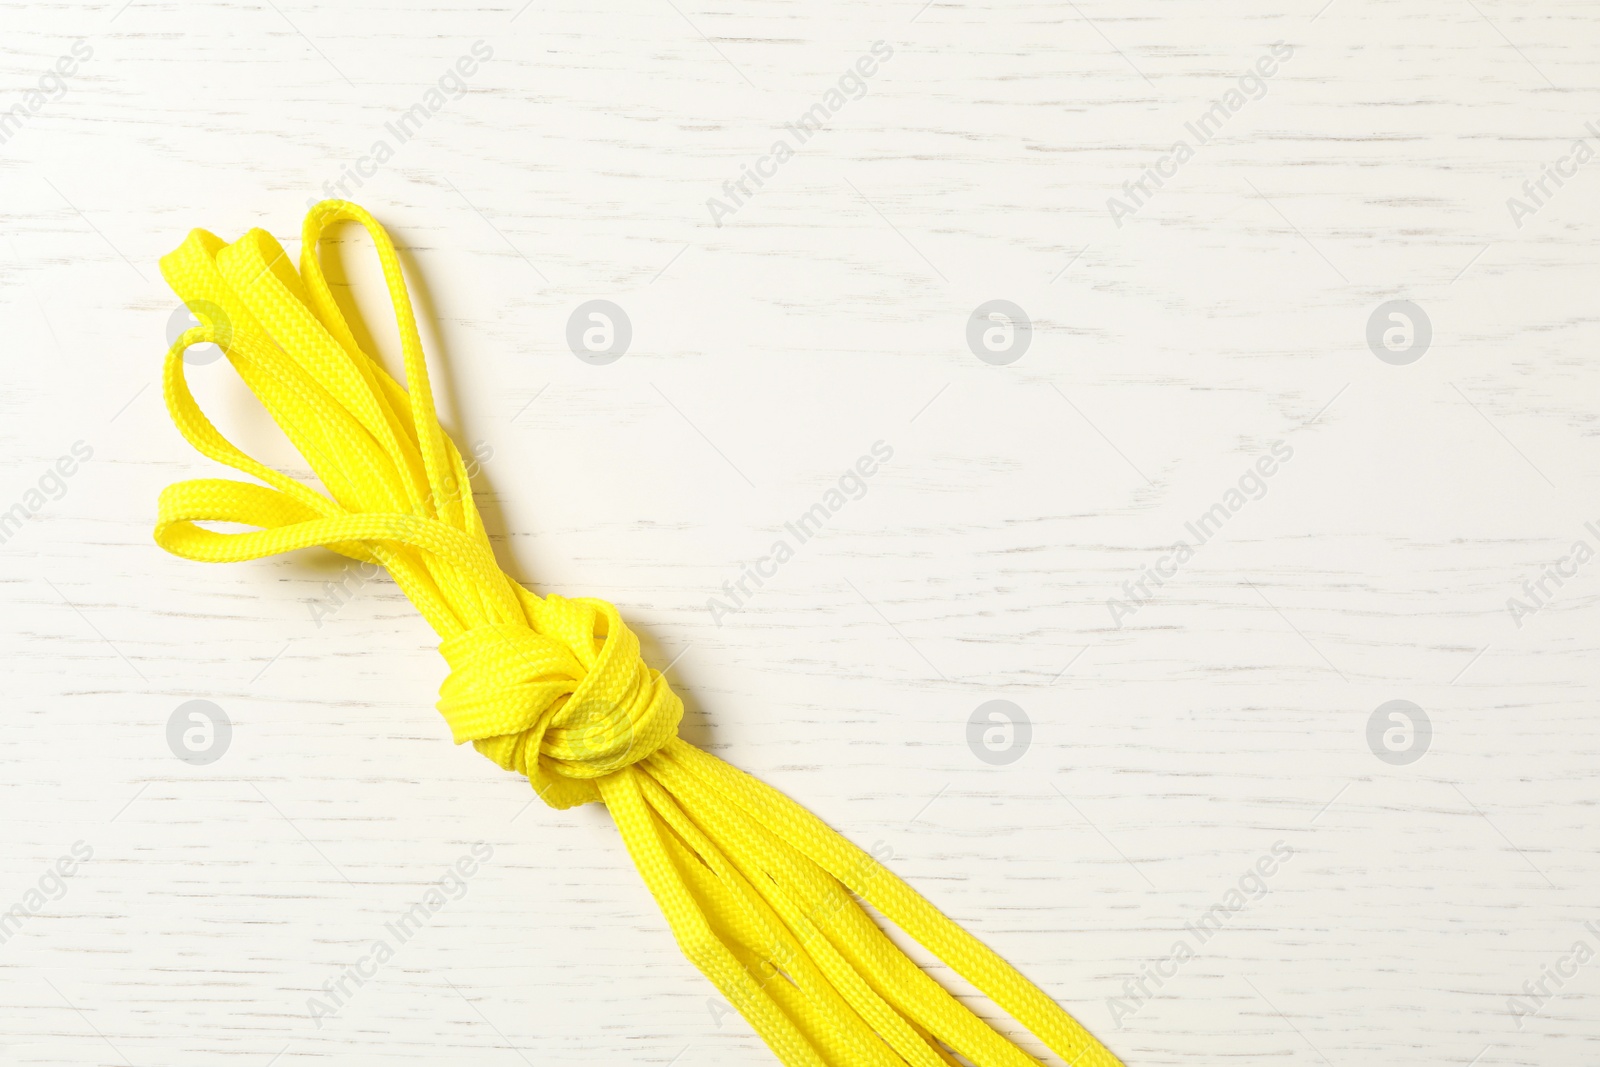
x=829, y=312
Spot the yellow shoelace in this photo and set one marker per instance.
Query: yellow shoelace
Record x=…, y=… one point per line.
x=760, y=894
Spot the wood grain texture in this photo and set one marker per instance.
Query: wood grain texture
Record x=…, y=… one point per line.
x=829, y=312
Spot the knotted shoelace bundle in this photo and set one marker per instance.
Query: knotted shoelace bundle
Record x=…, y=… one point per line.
x=761, y=895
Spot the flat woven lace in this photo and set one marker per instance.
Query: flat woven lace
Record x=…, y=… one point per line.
x=762, y=897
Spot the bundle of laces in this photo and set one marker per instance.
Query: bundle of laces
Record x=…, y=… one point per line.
x=762, y=896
